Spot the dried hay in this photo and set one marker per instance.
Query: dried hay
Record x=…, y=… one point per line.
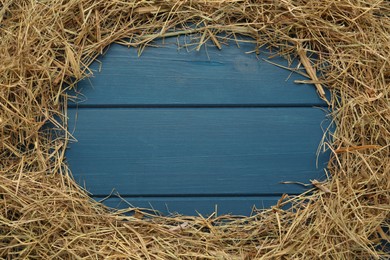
x=45, y=215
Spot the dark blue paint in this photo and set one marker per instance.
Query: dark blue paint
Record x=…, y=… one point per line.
x=195, y=151
x=194, y=205
x=191, y=130
x=167, y=75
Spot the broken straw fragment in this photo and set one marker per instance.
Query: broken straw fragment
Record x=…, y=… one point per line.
x=179, y=227
x=312, y=74
x=356, y=148
x=320, y=186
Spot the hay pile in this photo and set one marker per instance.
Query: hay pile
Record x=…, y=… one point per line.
x=45, y=44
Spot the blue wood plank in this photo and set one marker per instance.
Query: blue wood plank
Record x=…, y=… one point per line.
x=192, y=151
x=193, y=205
x=167, y=76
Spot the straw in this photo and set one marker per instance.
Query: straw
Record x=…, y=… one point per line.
x=47, y=45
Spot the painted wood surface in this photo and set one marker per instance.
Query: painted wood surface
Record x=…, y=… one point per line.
x=166, y=75
x=196, y=150
x=194, y=205
x=182, y=132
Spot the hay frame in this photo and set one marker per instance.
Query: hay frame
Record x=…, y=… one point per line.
x=48, y=44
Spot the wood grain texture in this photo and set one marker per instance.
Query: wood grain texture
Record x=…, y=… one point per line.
x=195, y=151
x=184, y=131
x=168, y=76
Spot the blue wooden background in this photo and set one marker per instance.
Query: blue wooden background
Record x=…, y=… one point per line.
x=183, y=131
